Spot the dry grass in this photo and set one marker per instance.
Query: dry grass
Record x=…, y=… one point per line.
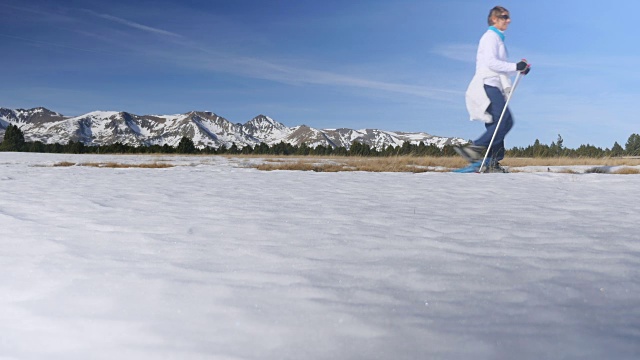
x=566, y=171
x=64, y=164
x=383, y=164
x=115, y=165
x=627, y=171
x=395, y=164
x=566, y=161
x=304, y=166
x=425, y=164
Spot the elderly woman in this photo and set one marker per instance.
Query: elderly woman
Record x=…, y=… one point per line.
x=486, y=93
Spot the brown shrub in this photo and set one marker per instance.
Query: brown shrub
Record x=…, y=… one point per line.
x=383, y=164
x=627, y=171
x=430, y=164
x=116, y=165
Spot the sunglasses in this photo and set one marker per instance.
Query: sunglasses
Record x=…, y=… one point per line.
x=503, y=17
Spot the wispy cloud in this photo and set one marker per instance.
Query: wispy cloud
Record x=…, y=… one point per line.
x=40, y=14
x=459, y=52
x=204, y=57
x=601, y=64
x=467, y=53
x=262, y=69
x=133, y=24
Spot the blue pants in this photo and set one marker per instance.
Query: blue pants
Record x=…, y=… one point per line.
x=495, y=109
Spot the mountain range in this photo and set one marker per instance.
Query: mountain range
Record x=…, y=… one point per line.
x=202, y=127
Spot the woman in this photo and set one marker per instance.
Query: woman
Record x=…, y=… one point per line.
x=488, y=89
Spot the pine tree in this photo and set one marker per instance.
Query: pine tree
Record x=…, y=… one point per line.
x=247, y=150
x=37, y=146
x=233, y=149
x=303, y=149
x=74, y=147
x=632, y=148
x=13, y=139
x=185, y=146
x=617, y=150
x=559, y=146
x=406, y=148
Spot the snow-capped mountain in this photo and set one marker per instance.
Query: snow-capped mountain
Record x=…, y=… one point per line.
x=204, y=128
x=266, y=129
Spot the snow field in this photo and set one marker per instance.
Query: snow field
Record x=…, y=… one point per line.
x=214, y=260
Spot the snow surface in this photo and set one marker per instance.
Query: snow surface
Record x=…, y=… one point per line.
x=98, y=115
x=214, y=260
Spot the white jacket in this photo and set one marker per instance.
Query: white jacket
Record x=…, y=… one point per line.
x=477, y=99
x=492, y=68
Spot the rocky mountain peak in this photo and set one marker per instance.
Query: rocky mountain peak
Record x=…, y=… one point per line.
x=205, y=128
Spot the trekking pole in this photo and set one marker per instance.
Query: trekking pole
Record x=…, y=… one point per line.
x=504, y=110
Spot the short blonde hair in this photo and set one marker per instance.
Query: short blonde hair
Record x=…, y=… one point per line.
x=496, y=11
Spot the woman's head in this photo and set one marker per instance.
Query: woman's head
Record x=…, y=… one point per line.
x=499, y=17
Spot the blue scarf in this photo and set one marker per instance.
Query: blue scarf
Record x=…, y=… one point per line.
x=500, y=33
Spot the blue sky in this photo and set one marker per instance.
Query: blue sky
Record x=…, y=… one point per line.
x=399, y=65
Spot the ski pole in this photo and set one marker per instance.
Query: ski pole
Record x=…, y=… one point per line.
x=504, y=110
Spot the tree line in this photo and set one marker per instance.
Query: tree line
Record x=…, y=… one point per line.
x=14, y=141
x=557, y=149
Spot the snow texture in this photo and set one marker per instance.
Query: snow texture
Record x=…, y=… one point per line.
x=212, y=259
